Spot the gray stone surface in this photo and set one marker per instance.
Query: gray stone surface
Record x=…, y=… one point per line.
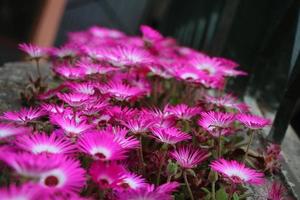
x=13, y=79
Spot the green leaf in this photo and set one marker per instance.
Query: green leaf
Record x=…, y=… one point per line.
x=221, y=194
x=235, y=196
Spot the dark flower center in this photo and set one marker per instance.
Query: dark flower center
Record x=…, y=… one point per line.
x=101, y=156
x=51, y=181
x=236, y=179
x=124, y=185
x=104, y=182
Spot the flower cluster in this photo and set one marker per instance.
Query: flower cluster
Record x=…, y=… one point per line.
x=126, y=115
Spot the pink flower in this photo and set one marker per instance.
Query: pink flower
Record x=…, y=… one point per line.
x=170, y=135
x=188, y=156
x=237, y=172
x=130, y=180
x=29, y=165
x=86, y=88
x=54, y=108
x=68, y=176
x=22, y=192
x=227, y=101
x=102, y=32
x=106, y=175
x=89, y=68
x=149, y=192
x=139, y=125
x=182, y=111
x=149, y=34
x=24, y=115
x=33, y=51
x=66, y=51
x=9, y=130
x=217, y=123
x=101, y=146
x=69, y=72
x=208, y=65
x=121, y=92
x=74, y=99
x=276, y=191
x=130, y=56
x=42, y=143
x=71, y=127
x=252, y=121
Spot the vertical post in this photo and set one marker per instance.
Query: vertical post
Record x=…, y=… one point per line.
x=45, y=30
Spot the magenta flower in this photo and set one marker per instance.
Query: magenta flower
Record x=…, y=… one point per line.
x=208, y=65
x=188, y=156
x=227, y=101
x=120, y=136
x=149, y=34
x=89, y=68
x=86, y=88
x=170, y=135
x=102, y=32
x=252, y=121
x=106, y=175
x=71, y=126
x=130, y=180
x=24, y=115
x=129, y=56
x=217, y=123
x=9, y=130
x=74, y=99
x=22, y=192
x=68, y=176
x=276, y=191
x=139, y=125
x=53, y=108
x=237, y=172
x=149, y=192
x=42, y=143
x=66, y=51
x=101, y=146
x=29, y=165
x=69, y=72
x=182, y=111
x=121, y=92
x=33, y=51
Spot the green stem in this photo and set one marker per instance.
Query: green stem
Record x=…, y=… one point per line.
x=169, y=178
x=248, y=146
x=219, y=146
x=160, y=165
x=213, y=190
x=188, y=185
x=38, y=68
x=141, y=153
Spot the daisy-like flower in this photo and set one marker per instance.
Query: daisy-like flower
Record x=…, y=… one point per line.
x=24, y=115
x=33, y=51
x=23, y=192
x=182, y=111
x=86, y=88
x=120, y=136
x=227, y=101
x=42, y=143
x=170, y=135
x=121, y=91
x=149, y=192
x=67, y=51
x=276, y=191
x=29, y=165
x=71, y=127
x=149, y=34
x=101, y=146
x=68, y=176
x=188, y=156
x=107, y=175
x=89, y=68
x=139, y=125
x=53, y=108
x=208, y=65
x=237, y=172
x=130, y=180
x=74, y=99
x=252, y=121
x=217, y=123
x=69, y=72
x=9, y=130
x=130, y=56
x=102, y=32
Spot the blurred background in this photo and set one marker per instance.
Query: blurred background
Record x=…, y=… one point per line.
x=262, y=36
